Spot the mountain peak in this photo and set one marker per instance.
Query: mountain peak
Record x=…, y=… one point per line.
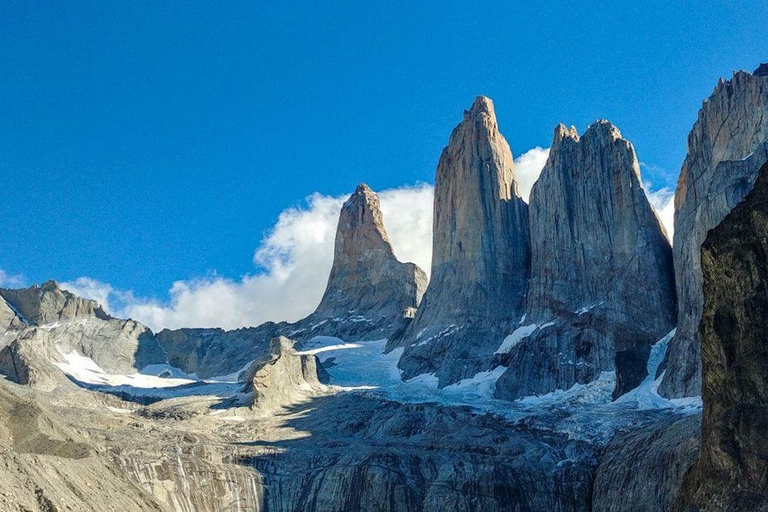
x=762, y=70
x=365, y=275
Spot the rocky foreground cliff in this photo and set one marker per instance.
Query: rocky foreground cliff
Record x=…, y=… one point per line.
x=732, y=469
x=726, y=147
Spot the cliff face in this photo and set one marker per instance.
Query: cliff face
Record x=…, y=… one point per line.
x=480, y=254
x=726, y=147
x=732, y=470
x=602, y=287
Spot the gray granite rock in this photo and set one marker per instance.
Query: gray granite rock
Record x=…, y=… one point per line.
x=601, y=270
x=480, y=255
x=366, y=278
x=283, y=377
x=731, y=473
x=726, y=147
x=51, y=322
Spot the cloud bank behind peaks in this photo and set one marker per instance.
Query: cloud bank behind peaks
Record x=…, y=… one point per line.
x=294, y=259
x=293, y=263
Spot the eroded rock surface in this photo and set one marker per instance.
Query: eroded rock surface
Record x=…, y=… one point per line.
x=602, y=286
x=732, y=470
x=642, y=470
x=726, y=147
x=480, y=255
x=283, y=377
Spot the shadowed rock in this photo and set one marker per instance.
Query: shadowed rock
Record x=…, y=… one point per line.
x=602, y=287
x=732, y=470
x=726, y=147
x=479, y=258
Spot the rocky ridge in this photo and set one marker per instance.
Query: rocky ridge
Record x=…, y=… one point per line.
x=51, y=323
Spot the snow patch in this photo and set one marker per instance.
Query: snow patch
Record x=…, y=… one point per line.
x=519, y=335
x=646, y=395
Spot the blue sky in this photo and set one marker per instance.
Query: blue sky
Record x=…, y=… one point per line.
x=148, y=142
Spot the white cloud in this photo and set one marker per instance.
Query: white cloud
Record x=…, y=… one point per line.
x=11, y=280
x=528, y=166
x=663, y=201
x=294, y=260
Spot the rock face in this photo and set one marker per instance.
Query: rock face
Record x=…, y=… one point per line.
x=480, y=255
x=642, y=471
x=51, y=322
x=602, y=285
x=284, y=377
x=370, y=295
x=732, y=470
x=366, y=279
x=726, y=147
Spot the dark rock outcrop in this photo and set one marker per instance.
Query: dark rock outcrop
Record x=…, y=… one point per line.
x=602, y=287
x=726, y=147
x=732, y=470
x=480, y=255
x=642, y=470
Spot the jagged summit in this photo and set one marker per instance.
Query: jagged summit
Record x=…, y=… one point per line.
x=483, y=105
x=762, y=70
x=599, y=257
x=479, y=255
x=48, y=303
x=366, y=278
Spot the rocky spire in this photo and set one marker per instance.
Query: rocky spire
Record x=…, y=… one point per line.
x=601, y=269
x=726, y=147
x=366, y=278
x=732, y=467
x=480, y=254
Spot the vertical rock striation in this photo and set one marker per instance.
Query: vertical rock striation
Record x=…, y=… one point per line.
x=480, y=254
x=726, y=147
x=732, y=470
x=602, y=287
